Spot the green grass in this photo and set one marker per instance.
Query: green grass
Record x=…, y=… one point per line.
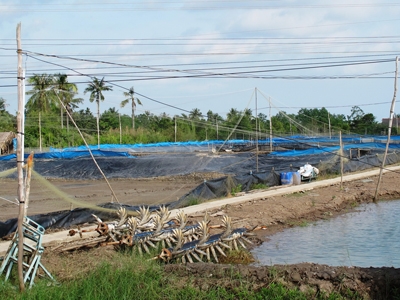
x=259, y=186
x=134, y=277
x=296, y=223
x=193, y=201
x=295, y=195
x=236, y=189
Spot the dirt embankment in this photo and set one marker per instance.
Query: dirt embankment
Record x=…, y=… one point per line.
x=276, y=214
x=273, y=213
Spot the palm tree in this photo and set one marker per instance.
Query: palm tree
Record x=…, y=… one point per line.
x=70, y=105
x=2, y=104
x=95, y=88
x=43, y=97
x=195, y=114
x=232, y=116
x=66, y=92
x=131, y=97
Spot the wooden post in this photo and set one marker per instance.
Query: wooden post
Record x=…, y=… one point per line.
x=23, y=113
x=389, y=131
x=341, y=153
x=120, y=129
x=175, y=129
x=20, y=161
x=256, y=135
x=216, y=122
x=329, y=126
x=270, y=126
x=40, y=133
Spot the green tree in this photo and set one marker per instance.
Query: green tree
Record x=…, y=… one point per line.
x=314, y=119
x=131, y=98
x=232, y=116
x=96, y=89
x=7, y=121
x=66, y=92
x=85, y=120
x=109, y=119
x=367, y=124
x=355, y=118
x=42, y=94
x=246, y=123
x=195, y=114
x=213, y=121
x=2, y=105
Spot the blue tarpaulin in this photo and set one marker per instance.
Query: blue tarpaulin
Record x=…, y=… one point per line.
x=69, y=154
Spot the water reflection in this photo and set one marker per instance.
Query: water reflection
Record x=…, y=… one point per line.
x=368, y=237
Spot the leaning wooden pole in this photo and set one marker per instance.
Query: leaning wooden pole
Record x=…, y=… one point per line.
x=389, y=132
x=20, y=161
x=341, y=153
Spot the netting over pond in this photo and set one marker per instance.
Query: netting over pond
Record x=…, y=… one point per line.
x=242, y=169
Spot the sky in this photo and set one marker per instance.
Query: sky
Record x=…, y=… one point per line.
x=211, y=55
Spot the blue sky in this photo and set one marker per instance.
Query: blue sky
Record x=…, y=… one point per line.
x=211, y=55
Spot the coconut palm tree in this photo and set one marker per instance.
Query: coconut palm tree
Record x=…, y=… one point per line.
x=66, y=91
x=96, y=88
x=131, y=98
x=195, y=114
x=43, y=97
x=2, y=104
x=232, y=116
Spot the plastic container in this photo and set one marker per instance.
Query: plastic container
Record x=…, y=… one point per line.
x=286, y=178
x=296, y=178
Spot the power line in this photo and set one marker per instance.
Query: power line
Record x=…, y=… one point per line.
x=291, y=67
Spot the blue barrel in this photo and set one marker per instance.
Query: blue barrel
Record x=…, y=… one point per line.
x=296, y=178
x=286, y=178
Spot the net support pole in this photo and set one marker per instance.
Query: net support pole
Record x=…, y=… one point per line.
x=256, y=133
x=270, y=126
x=20, y=161
x=389, y=132
x=341, y=159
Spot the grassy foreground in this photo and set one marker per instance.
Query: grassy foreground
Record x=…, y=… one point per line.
x=133, y=277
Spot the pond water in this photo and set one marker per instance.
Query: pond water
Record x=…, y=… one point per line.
x=368, y=237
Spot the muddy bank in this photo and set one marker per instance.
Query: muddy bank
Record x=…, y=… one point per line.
x=278, y=213
x=313, y=279
x=275, y=214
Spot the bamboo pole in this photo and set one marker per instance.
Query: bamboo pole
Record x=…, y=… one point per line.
x=256, y=134
x=389, y=131
x=120, y=129
x=175, y=128
x=270, y=126
x=40, y=133
x=90, y=152
x=341, y=159
x=329, y=126
x=20, y=161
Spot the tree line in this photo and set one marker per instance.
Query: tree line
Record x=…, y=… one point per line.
x=52, y=100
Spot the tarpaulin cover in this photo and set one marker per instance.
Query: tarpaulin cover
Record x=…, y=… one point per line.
x=68, y=218
x=212, y=189
x=239, y=169
x=68, y=155
x=222, y=187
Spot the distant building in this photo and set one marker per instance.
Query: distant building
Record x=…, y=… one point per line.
x=395, y=123
x=6, y=142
